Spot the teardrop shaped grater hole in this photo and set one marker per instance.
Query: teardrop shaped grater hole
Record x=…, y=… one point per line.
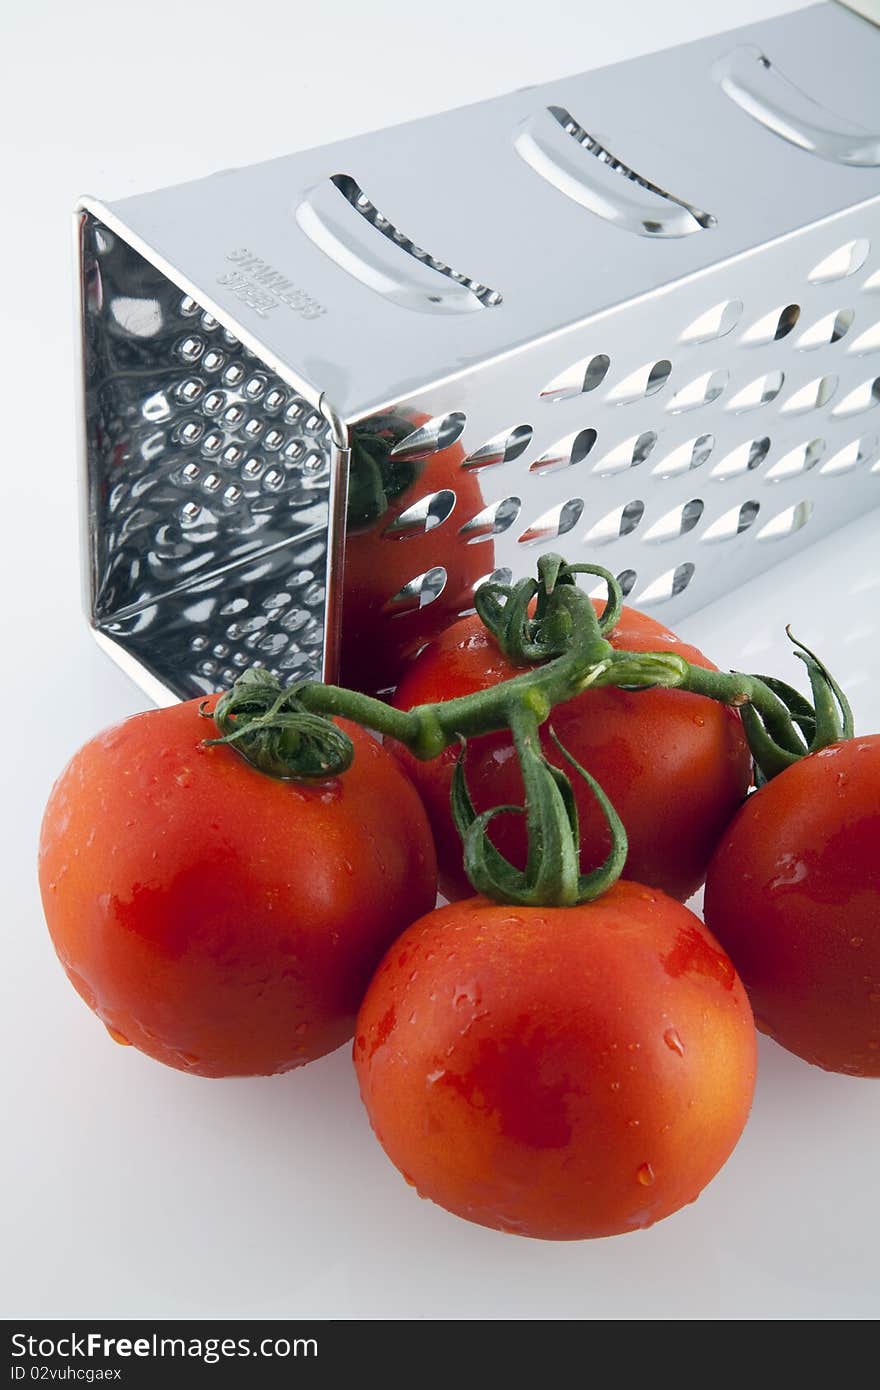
x=733, y=523
x=786, y=523
x=716, y=322
x=668, y=585
x=853, y=455
x=629, y=454
x=584, y=375
x=846, y=260
x=744, y=459
x=828, y=330
x=772, y=327
x=417, y=593
x=573, y=449
x=676, y=522
x=799, y=460
x=627, y=581
x=702, y=391
x=424, y=515
x=622, y=521
x=491, y=521
x=430, y=438
x=863, y=398
x=759, y=392
x=503, y=448
x=692, y=454
x=499, y=576
x=646, y=381
x=813, y=396
x=866, y=342
x=872, y=283
x=558, y=521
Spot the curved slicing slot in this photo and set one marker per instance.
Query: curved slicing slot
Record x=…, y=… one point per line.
x=677, y=522
x=772, y=327
x=431, y=437
x=668, y=585
x=813, y=396
x=423, y=516
x=799, y=460
x=716, y=322
x=502, y=448
x=573, y=449
x=743, y=459
x=417, y=593
x=864, y=397
x=787, y=523
x=491, y=521
x=852, y=455
x=558, y=521
x=628, y=454
x=565, y=155
x=732, y=523
x=703, y=391
x=620, y=522
x=757, y=87
x=692, y=454
x=827, y=331
x=339, y=218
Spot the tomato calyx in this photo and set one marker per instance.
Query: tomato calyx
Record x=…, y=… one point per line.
x=813, y=726
x=266, y=724
x=530, y=624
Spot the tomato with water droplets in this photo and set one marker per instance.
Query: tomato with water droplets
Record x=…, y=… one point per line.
x=224, y=922
x=793, y=892
x=675, y=765
x=558, y=1072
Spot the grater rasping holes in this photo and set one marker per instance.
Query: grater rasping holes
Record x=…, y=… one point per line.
x=633, y=315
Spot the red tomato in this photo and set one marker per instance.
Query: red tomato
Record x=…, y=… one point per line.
x=558, y=1072
x=794, y=894
x=381, y=559
x=676, y=766
x=224, y=922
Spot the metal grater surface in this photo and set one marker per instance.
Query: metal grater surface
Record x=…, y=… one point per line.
x=633, y=315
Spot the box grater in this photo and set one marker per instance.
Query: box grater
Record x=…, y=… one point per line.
x=633, y=315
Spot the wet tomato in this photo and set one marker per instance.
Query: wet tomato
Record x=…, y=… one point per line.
x=221, y=921
x=793, y=892
x=558, y=1072
x=675, y=765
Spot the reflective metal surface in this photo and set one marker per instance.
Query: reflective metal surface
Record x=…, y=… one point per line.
x=669, y=358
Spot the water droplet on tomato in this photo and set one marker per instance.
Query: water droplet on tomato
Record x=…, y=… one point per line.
x=434, y=1076
x=301, y=1029
x=468, y=993
x=615, y=1085
x=874, y=997
x=633, y=1124
x=673, y=1041
x=856, y=941
x=699, y=721
x=645, y=1174
x=117, y=1036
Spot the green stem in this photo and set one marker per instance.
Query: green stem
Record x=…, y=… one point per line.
x=427, y=729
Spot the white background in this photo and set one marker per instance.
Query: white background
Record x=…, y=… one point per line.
x=128, y=1189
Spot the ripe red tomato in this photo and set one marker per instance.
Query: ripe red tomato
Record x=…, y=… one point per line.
x=558, y=1072
x=382, y=556
x=676, y=766
x=224, y=922
x=793, y=892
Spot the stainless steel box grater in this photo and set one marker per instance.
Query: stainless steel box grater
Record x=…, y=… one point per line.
x=632, y=315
